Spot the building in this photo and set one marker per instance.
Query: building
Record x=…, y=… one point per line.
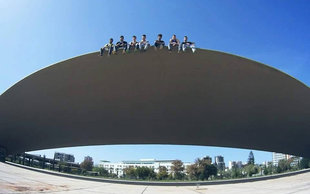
x=234, y=164
x=219, y=162
x=276, y=157
x=118, y=167
x=62, y=157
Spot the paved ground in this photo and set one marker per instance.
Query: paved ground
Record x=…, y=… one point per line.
x=18, y=180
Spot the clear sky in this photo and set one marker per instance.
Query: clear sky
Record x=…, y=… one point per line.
x=35, y=34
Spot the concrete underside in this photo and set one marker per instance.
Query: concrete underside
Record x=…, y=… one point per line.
x=206, y=98
x=14, y=180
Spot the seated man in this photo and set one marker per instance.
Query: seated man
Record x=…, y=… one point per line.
x=174, y=42
x=186, y=44
x=159, y=43
x=108, y=47
x=133, y=44
x=122, y=44
x=144, y=44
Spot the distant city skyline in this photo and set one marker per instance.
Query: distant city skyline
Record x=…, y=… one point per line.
x=118, y=153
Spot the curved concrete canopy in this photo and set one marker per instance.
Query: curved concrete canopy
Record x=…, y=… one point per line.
x=206, y=98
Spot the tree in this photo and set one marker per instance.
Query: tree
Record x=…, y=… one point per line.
x=251, y=169
x=304, y=163
x=192, y=171
x=283, y=165
x=202, y=169
x=268, y=169
x=162, y=173
x=145, y=172
x=177, y=169
x=205, y=168
x=208, y=171
x=251, y=159
x=236, y=172
x=130, y=172
x=102, y=171
x=87, y=164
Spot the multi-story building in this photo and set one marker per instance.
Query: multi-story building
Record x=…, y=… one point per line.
x=234, y=164
x=219, y=162
x=118, y=167
x=276, y=157
x=62, y=157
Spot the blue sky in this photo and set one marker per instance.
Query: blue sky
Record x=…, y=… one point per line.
x=35, y=34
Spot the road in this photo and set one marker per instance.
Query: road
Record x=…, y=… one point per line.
x=17, y=180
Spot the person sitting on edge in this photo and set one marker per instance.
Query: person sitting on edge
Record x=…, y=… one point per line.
x=144, y=44
x=108, y=47
x=159, y=43
x=133, y=44
x=121, y=44
x=186, y=44
x=174, y=42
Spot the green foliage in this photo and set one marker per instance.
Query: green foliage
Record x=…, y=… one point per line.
x=139, y=173
x=283, y=166
x=163, y=173
x=202, y=169
x=268, y=170
x=101, y=171
x=304, y=163
x=87, y=164
x=192, y=171
x=177, y=169
x=251, y=169
x=130, y=172
x=236, y=173
x=251, y=159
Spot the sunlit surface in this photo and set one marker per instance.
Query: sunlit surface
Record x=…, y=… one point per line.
x=14, y=179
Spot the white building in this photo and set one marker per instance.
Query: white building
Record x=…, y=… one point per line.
x=118, y=167
x=237, y=164
x=276, y=157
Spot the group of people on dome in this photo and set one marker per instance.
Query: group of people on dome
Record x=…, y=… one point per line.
x=144, y=44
